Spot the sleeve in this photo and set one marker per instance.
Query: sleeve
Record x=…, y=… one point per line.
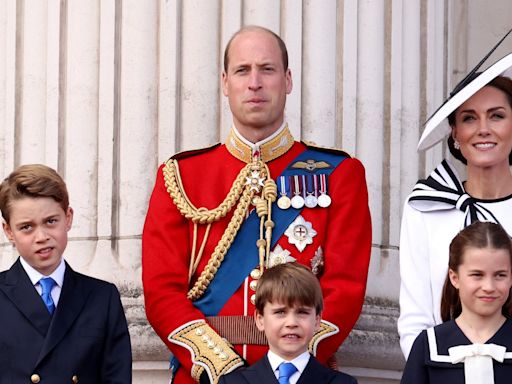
x=346, y=250
x=165, y=263
x=415, y=371
x=117, y=355
x=416, y=301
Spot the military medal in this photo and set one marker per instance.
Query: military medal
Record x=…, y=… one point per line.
x=297, y=200
x=284, y=201
x=317, y=262
x=311, y=200
x=255, y=181
x=324, y=200
x=279, y=256
x=300, y=233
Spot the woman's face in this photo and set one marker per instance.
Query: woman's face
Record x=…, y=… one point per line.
x=483, y=128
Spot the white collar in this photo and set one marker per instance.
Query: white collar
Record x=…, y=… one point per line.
x=300, y=361
x=35, y=276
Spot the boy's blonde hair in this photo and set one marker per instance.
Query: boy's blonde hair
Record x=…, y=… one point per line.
x=291, y=284
x=32, y=180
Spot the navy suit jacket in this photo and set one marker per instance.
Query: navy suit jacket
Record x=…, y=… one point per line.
x=261, y=373
x=87, y=336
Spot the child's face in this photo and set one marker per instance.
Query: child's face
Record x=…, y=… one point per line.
x=483, y=280
x=288, y=329
x=38, y=228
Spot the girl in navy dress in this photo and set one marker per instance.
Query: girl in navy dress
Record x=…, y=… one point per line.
x=474, y=344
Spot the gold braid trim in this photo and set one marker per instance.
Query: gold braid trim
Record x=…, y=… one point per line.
x=325, y=330
x=202, y=215
x=209, y=351
x=222, y=247
x=242, y=191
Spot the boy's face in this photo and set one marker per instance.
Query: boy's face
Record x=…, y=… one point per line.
x=38, y=228
x=288, y=329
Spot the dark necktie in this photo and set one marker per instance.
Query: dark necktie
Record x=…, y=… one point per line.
x=285, y=371
x=47, y=284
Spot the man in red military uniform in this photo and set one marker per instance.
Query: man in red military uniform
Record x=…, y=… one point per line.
x=219, y=216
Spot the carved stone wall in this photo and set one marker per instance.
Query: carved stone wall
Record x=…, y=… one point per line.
x=105, y=90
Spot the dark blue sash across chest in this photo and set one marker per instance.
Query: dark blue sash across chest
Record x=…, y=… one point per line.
x=242, y=256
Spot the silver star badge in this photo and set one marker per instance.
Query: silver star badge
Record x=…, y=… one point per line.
x=279, y=256
x=255, y=181
x=300, y=233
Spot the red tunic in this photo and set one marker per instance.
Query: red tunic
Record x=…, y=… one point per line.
x=343, y=231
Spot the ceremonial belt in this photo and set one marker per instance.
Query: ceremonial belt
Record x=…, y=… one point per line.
x=238, y=329
x=242, y=256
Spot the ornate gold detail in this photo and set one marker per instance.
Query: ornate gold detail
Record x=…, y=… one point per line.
x=325, y=330
x=311, y=165
x=269, y=150
x=209, y=351
x=241, y=194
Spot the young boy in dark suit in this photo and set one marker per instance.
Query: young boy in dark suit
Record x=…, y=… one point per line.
x=288, y=305
x=56, y=325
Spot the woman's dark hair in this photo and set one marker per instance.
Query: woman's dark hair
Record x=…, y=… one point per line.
x=502, y=83
x=477, y=235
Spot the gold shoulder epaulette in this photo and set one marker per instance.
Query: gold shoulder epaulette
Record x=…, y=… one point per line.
x=193, y=152
x=321, y=148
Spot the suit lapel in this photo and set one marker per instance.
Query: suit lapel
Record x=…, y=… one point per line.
x=260, y=372
x=71, y=302
x=314, y=372
x=19, y=289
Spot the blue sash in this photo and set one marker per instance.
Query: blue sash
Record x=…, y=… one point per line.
x=242, y=256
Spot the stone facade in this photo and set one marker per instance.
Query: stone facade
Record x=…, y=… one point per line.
x=104, y=91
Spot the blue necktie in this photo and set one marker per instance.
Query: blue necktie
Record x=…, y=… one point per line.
x=285, y=371
x=47, y=284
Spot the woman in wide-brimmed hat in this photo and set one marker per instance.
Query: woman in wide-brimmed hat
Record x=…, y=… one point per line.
x=478, y=121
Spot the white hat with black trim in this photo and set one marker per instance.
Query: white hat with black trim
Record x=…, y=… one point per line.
x=437, y=127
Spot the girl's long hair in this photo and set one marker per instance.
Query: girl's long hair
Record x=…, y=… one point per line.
x=477, y=235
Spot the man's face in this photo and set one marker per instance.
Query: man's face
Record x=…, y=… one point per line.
x=256, y=84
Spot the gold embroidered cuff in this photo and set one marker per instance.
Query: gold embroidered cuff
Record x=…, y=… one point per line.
x=209, y=351
x=325, y=330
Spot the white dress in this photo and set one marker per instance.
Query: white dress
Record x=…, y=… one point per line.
x=437, y=209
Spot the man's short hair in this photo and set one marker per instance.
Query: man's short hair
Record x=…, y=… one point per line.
x=280, y=42
x=32, y=180
x=290, y=284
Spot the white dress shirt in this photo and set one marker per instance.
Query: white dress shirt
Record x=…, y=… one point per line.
x=57, y=276
x=300, y=363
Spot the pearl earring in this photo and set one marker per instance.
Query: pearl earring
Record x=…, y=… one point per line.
x=456, y=145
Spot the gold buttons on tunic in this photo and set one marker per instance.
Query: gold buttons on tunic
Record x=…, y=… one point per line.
x=223, y=356
x=256, y=273
x=253, y=299
x=253, y=284
x=35, y=378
